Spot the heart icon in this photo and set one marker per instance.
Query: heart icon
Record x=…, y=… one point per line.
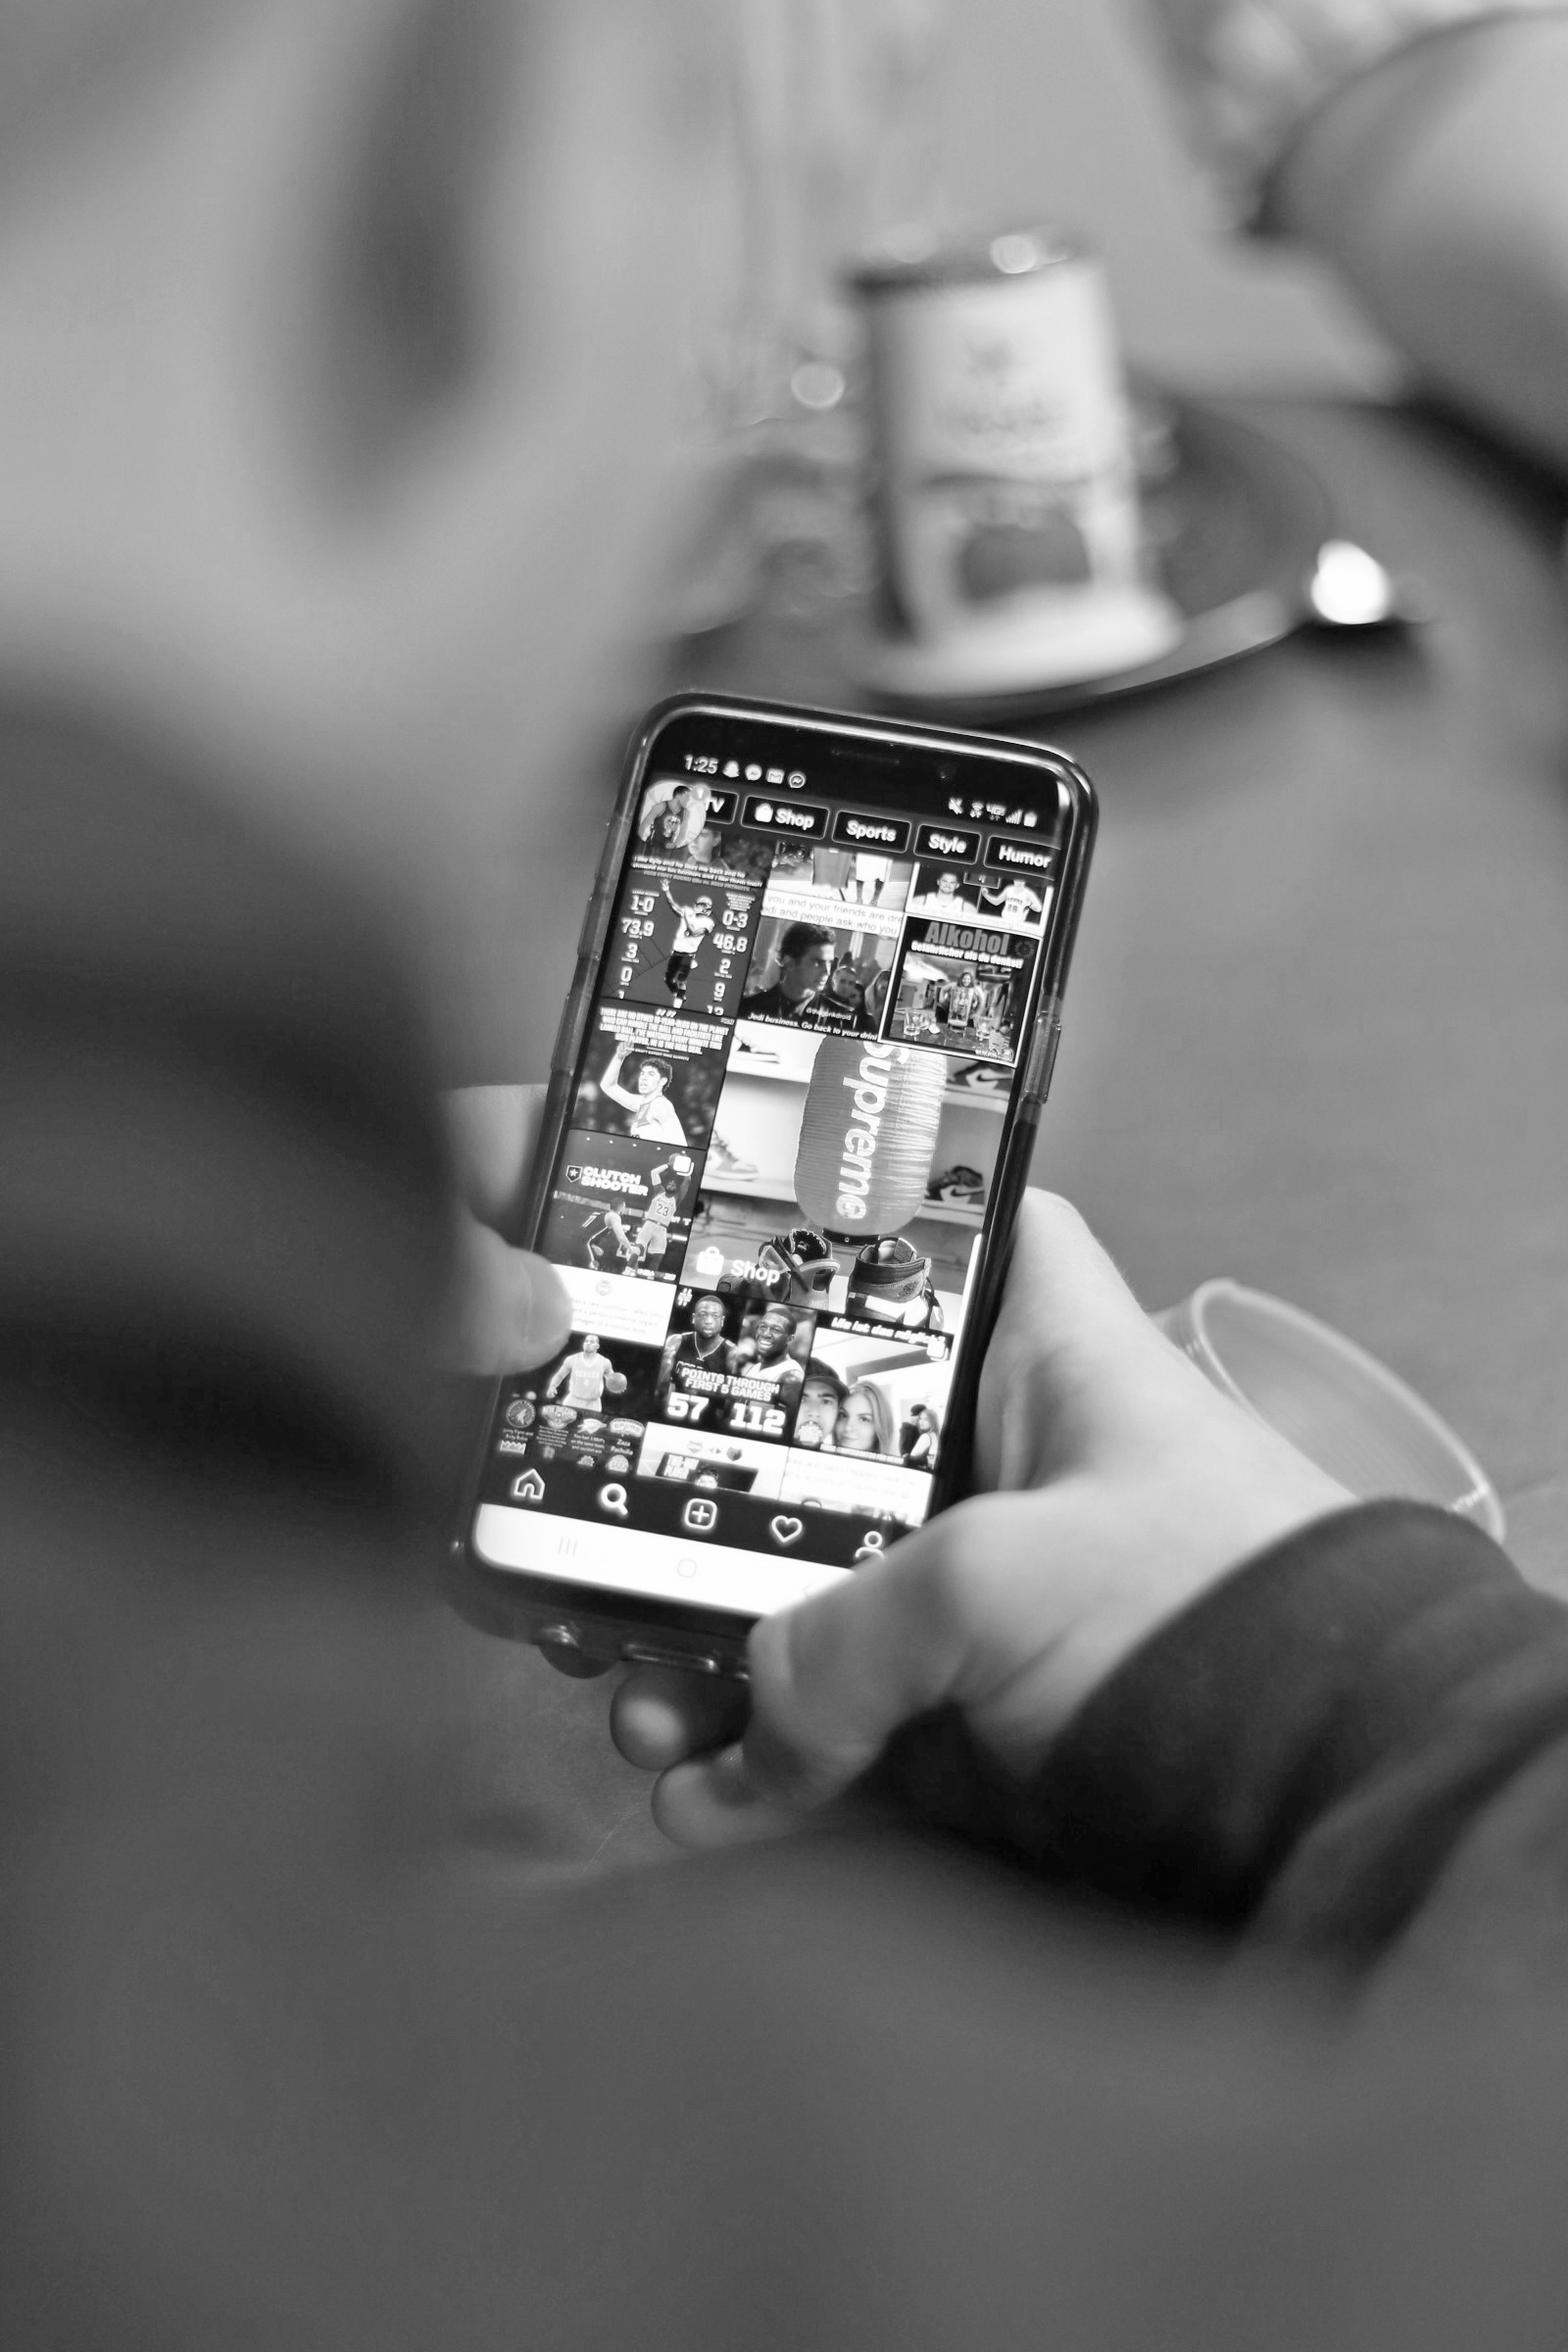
x=785, y=1531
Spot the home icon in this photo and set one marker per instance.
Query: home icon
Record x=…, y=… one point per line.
x=529, y=1488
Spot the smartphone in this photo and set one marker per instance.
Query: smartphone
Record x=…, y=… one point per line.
x=791, y=1112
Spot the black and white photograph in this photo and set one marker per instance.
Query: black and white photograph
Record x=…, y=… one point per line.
x=653, y=1698
x=883, y=1398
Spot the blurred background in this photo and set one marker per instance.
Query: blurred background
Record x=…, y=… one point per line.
x=1057, y=107
x=342, y=420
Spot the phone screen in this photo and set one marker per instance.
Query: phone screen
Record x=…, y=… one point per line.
x=819, y=980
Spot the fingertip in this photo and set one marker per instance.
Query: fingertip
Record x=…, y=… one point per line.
x=492, y=1130
x=644, y=1727
x=659, y=1717
x=1052, y=1209
x=544, y=1310
x=1062, y=1278
x=1050, y=1222
x=510, y=1310
x=714, y=1801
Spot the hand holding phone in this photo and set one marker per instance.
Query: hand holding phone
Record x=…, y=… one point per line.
x=790, y=1116
x=1121, y=1485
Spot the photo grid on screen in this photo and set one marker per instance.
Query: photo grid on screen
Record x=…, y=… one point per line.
x=781, y=1144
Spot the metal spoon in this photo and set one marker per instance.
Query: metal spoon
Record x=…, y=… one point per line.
x=1347, y=588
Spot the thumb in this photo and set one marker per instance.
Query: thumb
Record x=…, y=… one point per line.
x=511, y=1308
x=831, y=1680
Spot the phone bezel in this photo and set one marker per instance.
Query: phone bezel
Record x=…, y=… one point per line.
x=586, y=1626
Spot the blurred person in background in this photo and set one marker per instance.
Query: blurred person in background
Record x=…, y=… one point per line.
x=1418, y=146
x=298, y=2054
x=345, y=356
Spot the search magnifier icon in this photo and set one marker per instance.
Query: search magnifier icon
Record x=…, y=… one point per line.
x=614, y=1501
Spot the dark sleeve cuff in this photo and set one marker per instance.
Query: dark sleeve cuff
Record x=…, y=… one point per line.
x=1344, y=1705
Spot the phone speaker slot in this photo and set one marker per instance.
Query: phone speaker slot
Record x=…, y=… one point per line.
x=687, y=1661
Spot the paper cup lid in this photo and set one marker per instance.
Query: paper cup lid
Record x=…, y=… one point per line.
x=1340, y=1407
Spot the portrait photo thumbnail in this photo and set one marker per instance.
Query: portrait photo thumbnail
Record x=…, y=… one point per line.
x=877, y=1397
x=654, y=1076
x=967, y=894
x=820, y=970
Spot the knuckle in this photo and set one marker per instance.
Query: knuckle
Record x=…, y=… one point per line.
x=946, y=1575
x=1057, y=1216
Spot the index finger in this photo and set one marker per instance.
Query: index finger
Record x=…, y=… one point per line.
x=835, y=1677
x=1069, y=1334
x=493, y=1131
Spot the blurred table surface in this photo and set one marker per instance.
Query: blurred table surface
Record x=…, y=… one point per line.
x=1316, y=1033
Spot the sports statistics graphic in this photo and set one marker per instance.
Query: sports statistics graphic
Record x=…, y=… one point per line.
x=734, y=1363
x=682, y=941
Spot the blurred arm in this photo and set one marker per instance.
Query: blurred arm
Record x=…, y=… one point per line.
x=1417, y=146
x=1166, y=1660
x=1438, y=186
x=293, y=2068
x=1356, y=1751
